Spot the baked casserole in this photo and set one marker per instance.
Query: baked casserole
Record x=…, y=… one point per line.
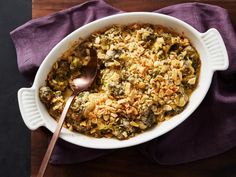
x=146, y=74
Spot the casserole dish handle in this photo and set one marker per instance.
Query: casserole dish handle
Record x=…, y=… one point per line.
x=218, y=57
x=29, y=109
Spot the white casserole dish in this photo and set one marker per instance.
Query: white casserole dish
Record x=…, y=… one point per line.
x=209, y=45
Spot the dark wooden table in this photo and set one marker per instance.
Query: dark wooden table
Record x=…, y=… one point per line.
x=127, y=162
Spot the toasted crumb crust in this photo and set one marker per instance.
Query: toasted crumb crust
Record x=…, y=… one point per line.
x=146, y=75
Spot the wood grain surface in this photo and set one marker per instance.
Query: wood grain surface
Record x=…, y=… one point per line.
x=128, y=162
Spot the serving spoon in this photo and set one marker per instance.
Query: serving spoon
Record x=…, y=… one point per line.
x=84, y=81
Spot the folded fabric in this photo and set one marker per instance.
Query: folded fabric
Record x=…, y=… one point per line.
x=210, y=130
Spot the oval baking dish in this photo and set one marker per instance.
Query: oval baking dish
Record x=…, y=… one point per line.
x=209, y=45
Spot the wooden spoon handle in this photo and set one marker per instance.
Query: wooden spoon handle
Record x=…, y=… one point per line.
x=55, y=136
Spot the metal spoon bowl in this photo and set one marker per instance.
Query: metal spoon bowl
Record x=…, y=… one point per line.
x=88, y=74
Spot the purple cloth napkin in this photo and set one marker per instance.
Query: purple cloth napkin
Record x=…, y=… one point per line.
x=210, y=130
